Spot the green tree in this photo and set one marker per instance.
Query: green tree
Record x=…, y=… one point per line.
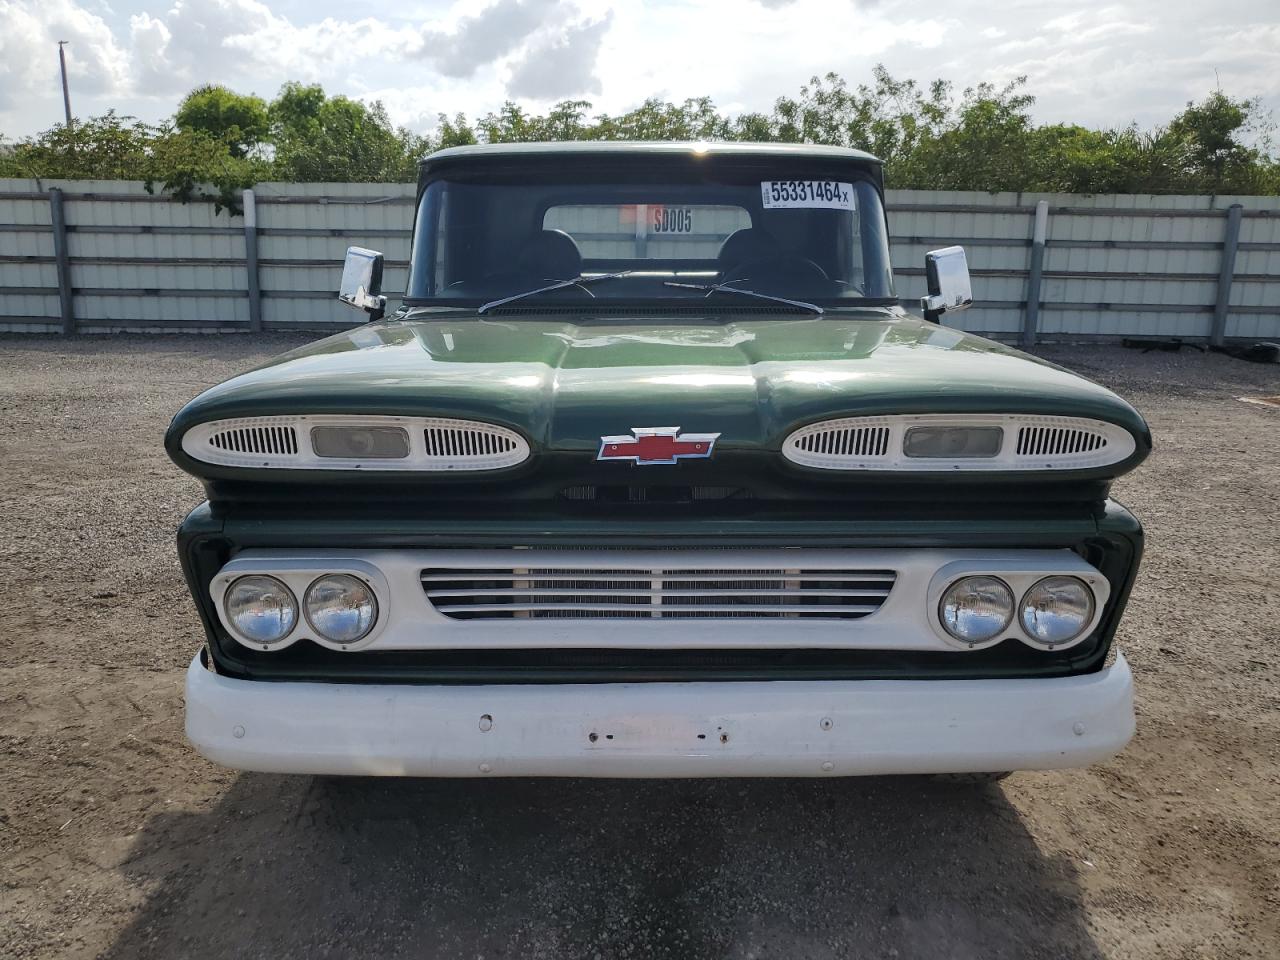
x=694, y=119
x=455, y=132
x=319, y=138
x=985, y=145
x=109, y=147
x=190, y=164
x=1208, y=130
x=238, y=120
x=890, y=118
x=187, y=162
x=295, y=112
x=1213, y=135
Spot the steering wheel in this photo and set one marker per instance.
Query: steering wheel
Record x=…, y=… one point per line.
x=788, y=265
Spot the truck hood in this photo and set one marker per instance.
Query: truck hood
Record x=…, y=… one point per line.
x=565, y=380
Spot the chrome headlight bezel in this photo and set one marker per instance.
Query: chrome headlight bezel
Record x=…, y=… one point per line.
x=299, y=574
x=1020, y=574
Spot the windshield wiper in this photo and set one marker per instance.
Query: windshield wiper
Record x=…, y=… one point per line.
x=578, y=281
x=711, y=288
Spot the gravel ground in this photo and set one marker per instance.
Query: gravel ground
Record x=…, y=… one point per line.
x=116, y=840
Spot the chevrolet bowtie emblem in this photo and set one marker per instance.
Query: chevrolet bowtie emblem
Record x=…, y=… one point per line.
x=651, y=445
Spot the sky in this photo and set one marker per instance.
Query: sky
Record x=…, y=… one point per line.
x=1097, y=63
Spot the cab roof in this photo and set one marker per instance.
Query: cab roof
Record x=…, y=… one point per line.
x=598, y=148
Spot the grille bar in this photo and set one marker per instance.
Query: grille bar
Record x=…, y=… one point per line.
x=649, y=608
x=665, y=592
x=1058, y=441
x=457, y=442
x=845, y=441
x=272, y=440
x=662, y=592
x=668, y=577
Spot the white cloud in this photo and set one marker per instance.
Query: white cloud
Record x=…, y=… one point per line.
x=1101, y=63
x=202, y=41
x=29, y=35
x=562, y=64
x=479, y=39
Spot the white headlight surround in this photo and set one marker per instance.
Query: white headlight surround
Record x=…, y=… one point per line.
x=260, y=610
x=977, y=611
x=1027, y=443
x=1057, y=612
x=342, y=609
x=332, y=442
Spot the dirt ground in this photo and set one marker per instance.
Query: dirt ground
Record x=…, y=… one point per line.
x=117, y=841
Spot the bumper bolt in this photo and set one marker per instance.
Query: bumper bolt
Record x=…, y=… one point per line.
x=238, y=732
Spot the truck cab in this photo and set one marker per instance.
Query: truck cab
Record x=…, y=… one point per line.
x=652, y=474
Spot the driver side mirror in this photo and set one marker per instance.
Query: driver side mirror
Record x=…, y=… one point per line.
x=361, y=285
x=947, y=275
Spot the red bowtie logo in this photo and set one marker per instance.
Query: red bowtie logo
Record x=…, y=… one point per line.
x=651, y=445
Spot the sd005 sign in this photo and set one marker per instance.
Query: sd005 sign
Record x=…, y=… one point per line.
x=807, y=194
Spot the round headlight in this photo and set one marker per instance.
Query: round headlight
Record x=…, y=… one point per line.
x=1057, y=610
x=261, y=609
x=341, y=608
x=976, y=609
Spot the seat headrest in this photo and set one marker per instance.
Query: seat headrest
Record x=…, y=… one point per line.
x=550, y=255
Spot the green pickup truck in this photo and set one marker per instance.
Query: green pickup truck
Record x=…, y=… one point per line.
x=651, y=475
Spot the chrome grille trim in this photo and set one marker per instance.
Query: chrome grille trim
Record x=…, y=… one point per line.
x=1057, y=441
x=659, y=592
x=459, y=440
x=843, y=440
x=269, y=440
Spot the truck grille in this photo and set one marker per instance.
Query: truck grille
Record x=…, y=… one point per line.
x=257, y=440
x=635, y=493
x=1058, y=441
x=585, y=593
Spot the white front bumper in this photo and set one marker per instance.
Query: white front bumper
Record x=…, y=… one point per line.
x=707, y=729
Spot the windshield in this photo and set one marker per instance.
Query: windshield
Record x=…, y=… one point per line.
x=667, y=232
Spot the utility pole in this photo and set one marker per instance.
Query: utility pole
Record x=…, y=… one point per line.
x=66, y=93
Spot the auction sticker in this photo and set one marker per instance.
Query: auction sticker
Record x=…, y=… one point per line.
x=807, y=194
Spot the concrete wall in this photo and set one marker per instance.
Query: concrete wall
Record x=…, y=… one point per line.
x=1112, y=265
